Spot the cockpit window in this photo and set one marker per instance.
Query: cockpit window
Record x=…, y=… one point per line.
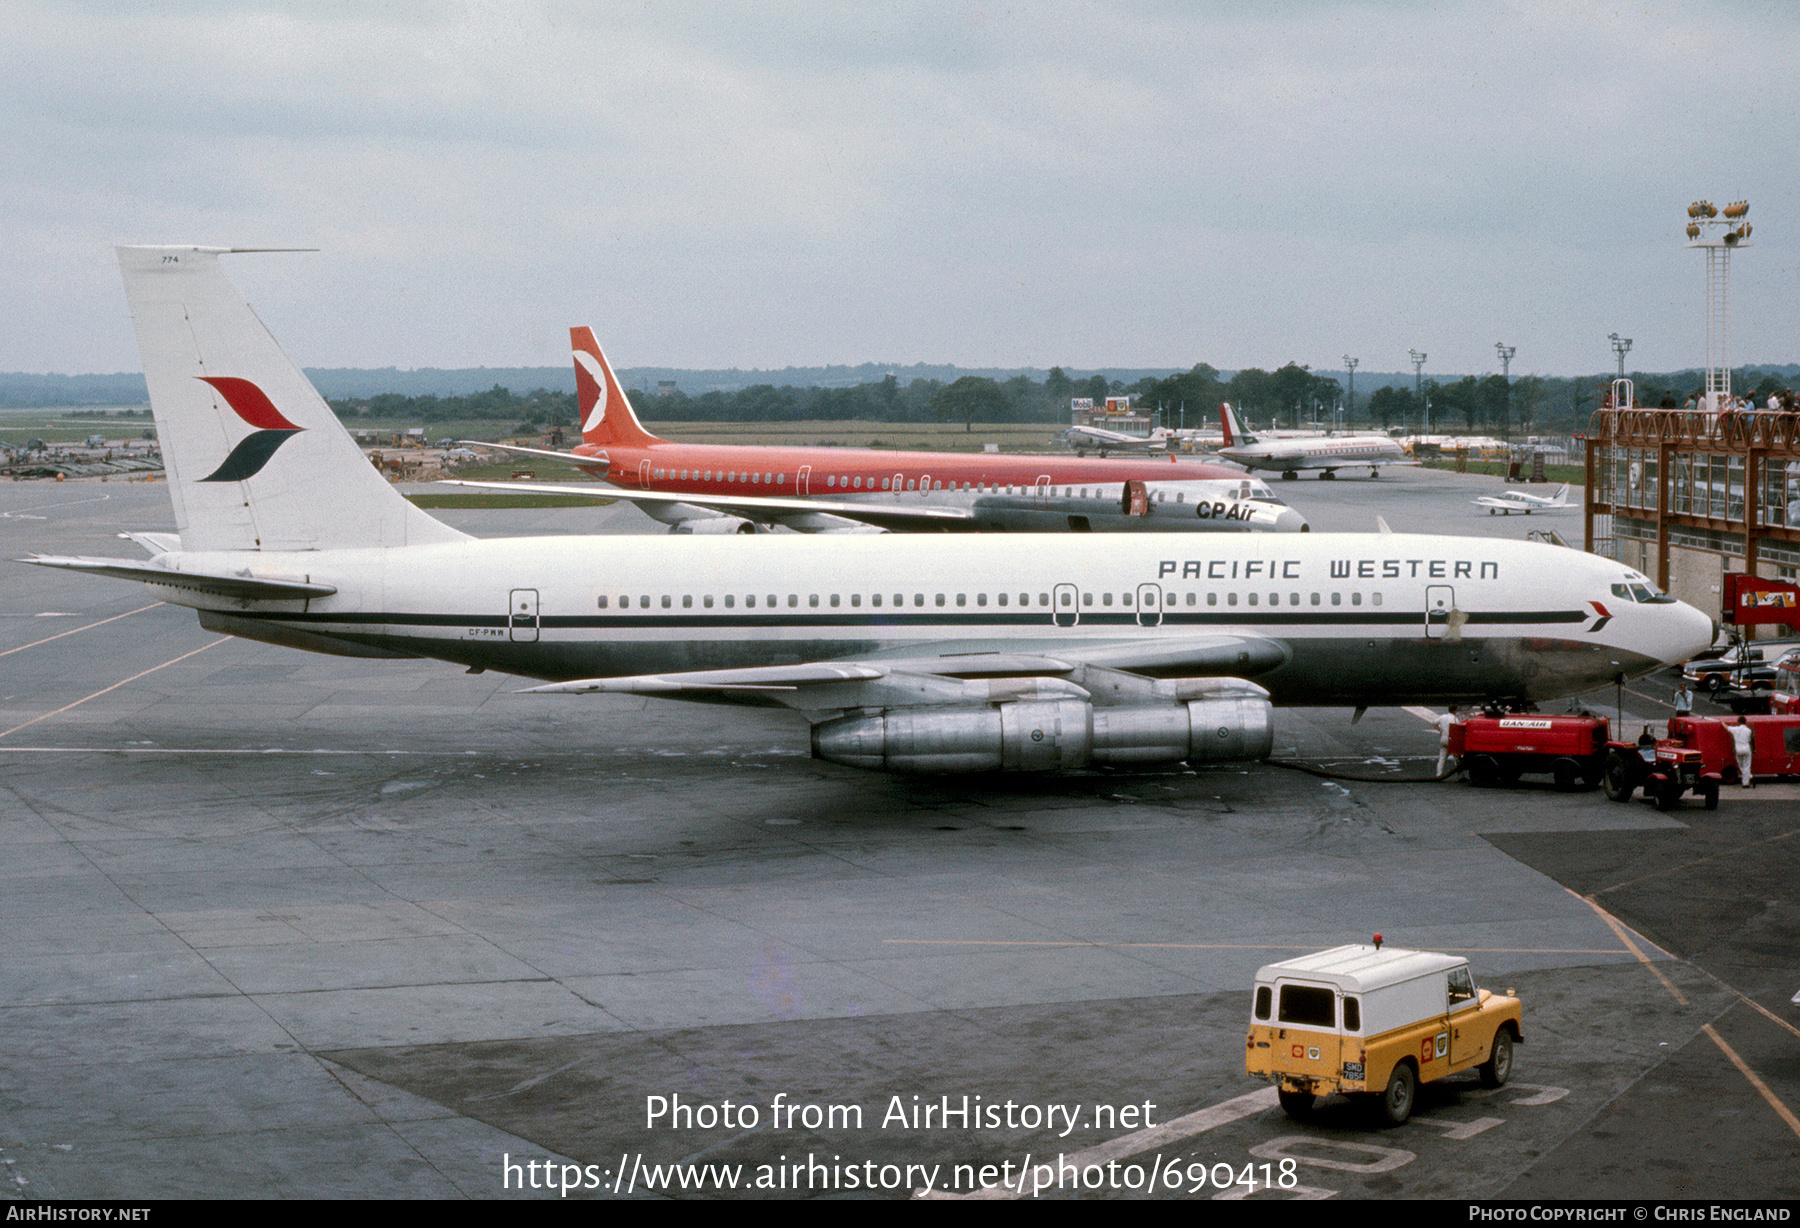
x=1641, y=591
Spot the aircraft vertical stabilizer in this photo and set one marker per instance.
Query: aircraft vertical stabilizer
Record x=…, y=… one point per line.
x=256, y=459
x=1228, y=423
x=606, y=414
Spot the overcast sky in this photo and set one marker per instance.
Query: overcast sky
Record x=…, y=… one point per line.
x=765, y=184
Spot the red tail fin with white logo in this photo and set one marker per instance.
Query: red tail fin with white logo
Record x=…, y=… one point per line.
x=1225, y=421
x=606, y=414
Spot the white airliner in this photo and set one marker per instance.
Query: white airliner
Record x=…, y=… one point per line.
x=1098, y=439
x=917, y=653
x=1326, y=453
x=1510, y=501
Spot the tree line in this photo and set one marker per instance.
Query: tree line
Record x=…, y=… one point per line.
x=1290, y=396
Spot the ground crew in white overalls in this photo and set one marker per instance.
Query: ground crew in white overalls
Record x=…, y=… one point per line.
x=1740, y=746
x=1444, y=724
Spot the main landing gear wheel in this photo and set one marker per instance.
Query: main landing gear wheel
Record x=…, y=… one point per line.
x=1498, y=1068
x=1288, y=475
x=1397, y=1100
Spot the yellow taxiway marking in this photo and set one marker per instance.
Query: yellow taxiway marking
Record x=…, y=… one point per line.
x=115, y=686
x=1625, y=936
x=77, y=630
x=1731, y=1054
x=1781, y=1109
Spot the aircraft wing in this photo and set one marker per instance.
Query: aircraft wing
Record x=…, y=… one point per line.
x=569, y=458
x=902, y=516
x=1116, y=673
x=240, y=586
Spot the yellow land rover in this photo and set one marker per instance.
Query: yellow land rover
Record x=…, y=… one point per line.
x=1376, y=1024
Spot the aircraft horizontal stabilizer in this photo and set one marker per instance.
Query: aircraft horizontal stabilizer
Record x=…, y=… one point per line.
x=240, y=587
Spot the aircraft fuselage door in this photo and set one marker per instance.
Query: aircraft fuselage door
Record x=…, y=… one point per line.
x=1150, y=605
x=803, y=481
x=1043, y=491
x=1065, y=605
x=644, y=474
x=1440, y=599
x=1134, y=499
x=925, y=486
x=899, y=484
x=522, y=616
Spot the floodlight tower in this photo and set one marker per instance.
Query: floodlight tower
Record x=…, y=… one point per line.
x=1506, y=353
x=1621, y=347
x=1418, y=362
x=1350, y=401
x=1717, y=231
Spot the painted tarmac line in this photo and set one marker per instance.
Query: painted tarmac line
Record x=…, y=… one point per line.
x=115, y=686
x=77, y=630
x=1180, y=1128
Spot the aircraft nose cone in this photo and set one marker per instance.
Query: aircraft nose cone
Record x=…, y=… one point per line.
x=1690, y=632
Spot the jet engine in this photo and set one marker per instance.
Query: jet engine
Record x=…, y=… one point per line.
x=709, y=526
x=1048, y=735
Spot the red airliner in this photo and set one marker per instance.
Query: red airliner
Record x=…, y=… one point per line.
x=831, y=489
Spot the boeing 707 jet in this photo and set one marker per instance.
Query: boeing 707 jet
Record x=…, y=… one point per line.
x=903, y=652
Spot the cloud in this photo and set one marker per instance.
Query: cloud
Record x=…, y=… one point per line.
x=761, y=185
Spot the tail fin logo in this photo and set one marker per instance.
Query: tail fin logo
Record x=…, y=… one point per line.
x=272, y=430
x=590, y=366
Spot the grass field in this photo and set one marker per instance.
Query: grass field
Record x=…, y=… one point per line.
x=1555, y=475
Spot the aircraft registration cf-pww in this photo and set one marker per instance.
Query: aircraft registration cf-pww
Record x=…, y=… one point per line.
x=905, y=652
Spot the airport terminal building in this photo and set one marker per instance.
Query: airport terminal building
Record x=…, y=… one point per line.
x=1685, y=496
